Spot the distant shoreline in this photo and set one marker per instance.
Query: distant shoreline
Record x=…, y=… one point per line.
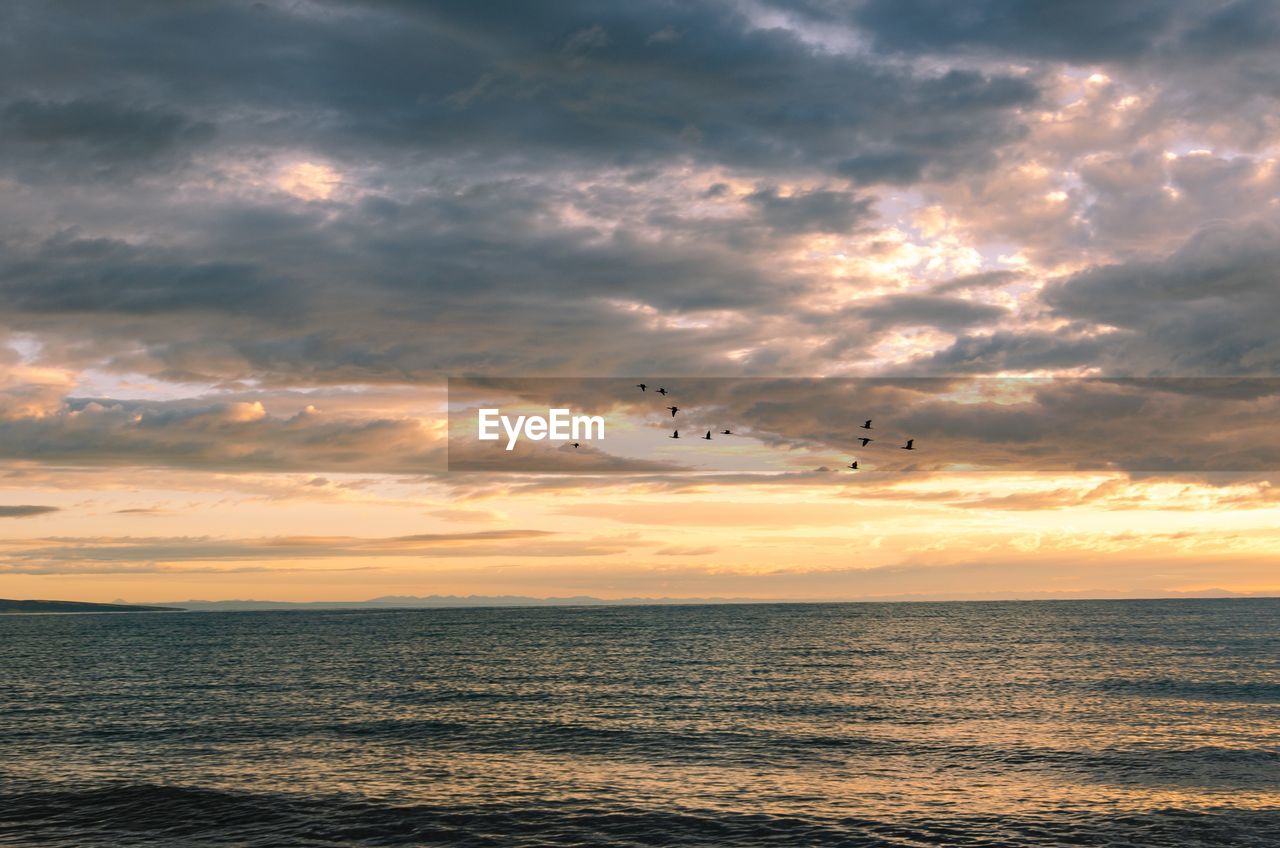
x=48, y=607
x=513, y=602
x=44, y=607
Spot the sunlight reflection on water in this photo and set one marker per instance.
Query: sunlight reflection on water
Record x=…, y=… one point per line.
x=1151, y=722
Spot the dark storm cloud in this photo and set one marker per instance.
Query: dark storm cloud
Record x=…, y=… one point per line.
x=1238, y=27
x=948, y=313
x=95, y=139
x=558, y=188
x=504, y=240
x=814, y=211
x=1012, y=350
x=285, y=294
x=1083, y=31
x=1210, y=307
x=1132, y=425
x=895, y=167
x=1079, y=32
x=595, y=81
x=80, y=275
x=1206, y=63
x=290, y=293
x=500, y=205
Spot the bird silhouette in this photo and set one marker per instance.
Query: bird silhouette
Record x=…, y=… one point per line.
x=576, y=445
x=708, y=436
x=867, y=426
x=674, y=435
x=909, y=445
x=674, y=410
x=726, y=433
x=641, y=386
x=864, y=440
x=854, y=465
x=661, y=390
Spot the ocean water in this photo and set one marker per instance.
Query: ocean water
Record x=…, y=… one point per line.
x=1114, y=723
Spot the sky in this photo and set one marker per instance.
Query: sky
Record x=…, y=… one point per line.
x=245, y=245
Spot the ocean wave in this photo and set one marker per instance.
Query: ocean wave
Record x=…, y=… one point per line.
x=154, y=815
x=1021, y=724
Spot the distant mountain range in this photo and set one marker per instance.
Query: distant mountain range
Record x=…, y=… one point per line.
x=448, y=601
x=11, y=607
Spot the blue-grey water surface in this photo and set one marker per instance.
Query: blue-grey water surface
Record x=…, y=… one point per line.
x=1138, y=723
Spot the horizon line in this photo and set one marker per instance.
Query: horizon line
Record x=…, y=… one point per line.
x=390, y=601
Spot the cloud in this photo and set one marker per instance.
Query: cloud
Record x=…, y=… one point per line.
x=821, y=210
x=1015, y=351
x=1209, y=308
x=99, y=555
x=320, y=187
x=1081, y=33
x=217, y=434
x=78, y=276
x=587, y=189
x=231, y=212
x=981, y=280
x=95, y=139
x=1007, y=424
x=1012, y=423
x=686, y=551
x=468, y=514
x=947, y=313
x=574, y=79
x=714, y=513
x=25, y=510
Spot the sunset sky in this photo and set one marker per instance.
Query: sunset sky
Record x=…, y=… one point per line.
x=245, y=244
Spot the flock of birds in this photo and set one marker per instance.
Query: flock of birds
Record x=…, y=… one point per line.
x=675, y=434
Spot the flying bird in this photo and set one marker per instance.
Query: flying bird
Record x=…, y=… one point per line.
x=867, y=426
x=674, y=435
x=726, y=433
x=661, y=390
x=864, y=440
x=708, y=436
x=909, y=444
x=674, y=410
x=641, y=386
x=854, y=465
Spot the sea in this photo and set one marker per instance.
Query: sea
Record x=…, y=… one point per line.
x=1086, y=723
